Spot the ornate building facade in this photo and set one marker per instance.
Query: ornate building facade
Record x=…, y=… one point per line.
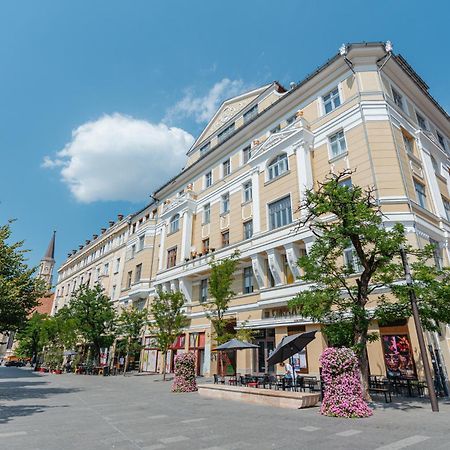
x=365, y=109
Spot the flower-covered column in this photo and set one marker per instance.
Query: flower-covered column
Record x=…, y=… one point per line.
x=184, y=380
x=343, y=393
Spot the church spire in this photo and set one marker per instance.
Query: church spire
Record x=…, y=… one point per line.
x=48, y=262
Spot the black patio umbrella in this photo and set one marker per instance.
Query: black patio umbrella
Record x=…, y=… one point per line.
x=289, y=346
x=234, y=345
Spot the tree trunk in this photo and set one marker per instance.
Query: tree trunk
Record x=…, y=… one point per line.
x=164, y=365
x=125, y=366
x=361, y=342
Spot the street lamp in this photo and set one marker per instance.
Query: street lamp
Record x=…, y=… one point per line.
x=418, y=325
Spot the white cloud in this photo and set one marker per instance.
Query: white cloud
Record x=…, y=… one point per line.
x=202, y=108
x=118, y=157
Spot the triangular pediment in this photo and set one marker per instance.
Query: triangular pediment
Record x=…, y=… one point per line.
x=228, y=110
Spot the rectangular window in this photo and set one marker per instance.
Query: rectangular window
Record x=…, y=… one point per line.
x=141, y=242
x=129, y=278
x=440, y=139
x=116, y=270
x=246, y=153
x=206, y=213
x=446, y=207
x=205, y=148
x=346, y=183
x=409, y=144
x=205, y=246
x=225, y=238
x=225, y=203
x=113, y=292
x=352, y=261
x=398, y=98
x=248, y=280
x=133, y=251
x=137, y=274
x=436, y=253
x=171, y=257
x=208, y=179
x=275, y=129
x=291, y=119
x=106, y=269
x=421, y=121
x=226, y=167
x=337, y=144
x=222, y=136
x=247, y=191
x=248, y=229
x=280, y=213
x=251, y=113
x=174, y=223
x=420, y=194
x=331, y=100
x=203, y=290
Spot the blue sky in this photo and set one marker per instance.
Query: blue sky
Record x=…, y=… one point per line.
x=93, y=93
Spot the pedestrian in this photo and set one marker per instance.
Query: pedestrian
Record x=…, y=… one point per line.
x=289, y=371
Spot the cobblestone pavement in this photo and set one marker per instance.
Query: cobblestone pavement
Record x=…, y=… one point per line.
x=42, y=411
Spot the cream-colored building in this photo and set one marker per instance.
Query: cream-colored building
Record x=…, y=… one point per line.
x=365, y=109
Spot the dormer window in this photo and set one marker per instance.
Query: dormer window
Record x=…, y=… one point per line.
x=222, y=136
x=175, y=223
x=421, y=121
x=277, y=166
x=331, y=100
x=398, y=99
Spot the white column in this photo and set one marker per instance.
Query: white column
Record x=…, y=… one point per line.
x=258, y=270
x=174, y=285
x=186, y=289
x=186, y=237
x=292, y=256
x=304, y=167
x=161, y=246
x=275, y=265
x=256, y=207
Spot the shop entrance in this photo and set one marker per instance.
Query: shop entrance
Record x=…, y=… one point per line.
x=265, y=340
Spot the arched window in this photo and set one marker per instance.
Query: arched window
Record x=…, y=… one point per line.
x=175, y=223
x=277, y=166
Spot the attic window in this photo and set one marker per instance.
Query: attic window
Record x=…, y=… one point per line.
x=205, y=148
x=225, y=133
x=250, y=114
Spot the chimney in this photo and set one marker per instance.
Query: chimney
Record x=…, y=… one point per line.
x=111, y=223
x=119, y=217
x=103, y=230
x=80, y=247
x=87, y=241
x=94, y=236
x=69, y=254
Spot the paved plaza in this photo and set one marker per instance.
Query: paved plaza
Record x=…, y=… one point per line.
x=43, y=411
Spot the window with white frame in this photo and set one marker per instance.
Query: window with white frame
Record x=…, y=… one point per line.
x=347, y=182
x=225, y=203
x=331, y=100
x=421, y=121
x=446, y=207
x=277, y=166
x=409, y=143
x=206, y=213
x=352, y=261
x=436, y=253
x=141, y=242
x=251, y=113
x=280, y=213
x=203, y=290
x=435, y=165
x=248, y=280
x=171, y=257
x=441, y=139
x=247, y=191
x=208, y=179
x=398, y=99
x=225, y=133
x=420, y=194
x=106, y=269
x=246, y=153
x=225, y=238
x=116, y=270
x=138, y=273
x=338, y=146
x=248, y=229
x=133, y=251
x=226, y=167
x=175, y=223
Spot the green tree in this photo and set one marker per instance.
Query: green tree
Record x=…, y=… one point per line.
x=94, y=318
x=168, y=320
x=344, y=290
x=32, y=338
x=220, y=289
x=130, y=326
x=19, y=289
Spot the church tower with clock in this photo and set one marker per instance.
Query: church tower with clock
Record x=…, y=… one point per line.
x=48, y=263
